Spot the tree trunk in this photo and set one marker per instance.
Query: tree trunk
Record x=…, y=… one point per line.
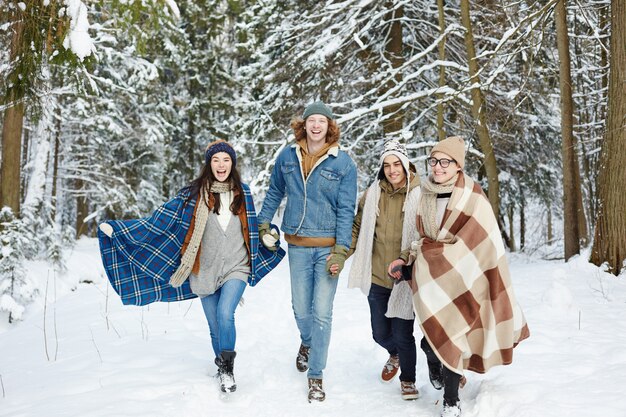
x=549, y=232
x=11, y=151
x=393, y=115
x=511, y=216
x=12, y=133
x=522, y=225
x=571, y=172
x=610, y=236
x=81, y=210
x=441, y=131
x=478, y=113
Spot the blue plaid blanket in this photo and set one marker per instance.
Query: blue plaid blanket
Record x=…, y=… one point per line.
x=142, y=254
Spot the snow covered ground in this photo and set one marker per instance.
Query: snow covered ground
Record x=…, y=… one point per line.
x=82, y=353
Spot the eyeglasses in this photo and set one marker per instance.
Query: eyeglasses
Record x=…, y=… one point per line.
x=445, y=163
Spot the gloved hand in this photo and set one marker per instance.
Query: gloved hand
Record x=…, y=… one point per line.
x=106, y=229
x=338, y=255
x=405, y=273
x=268, y=236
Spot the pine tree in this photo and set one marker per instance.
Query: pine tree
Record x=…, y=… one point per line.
x=16, y=291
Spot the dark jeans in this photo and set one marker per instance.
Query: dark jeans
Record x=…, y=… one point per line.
x=395, y=335
x=450, y=379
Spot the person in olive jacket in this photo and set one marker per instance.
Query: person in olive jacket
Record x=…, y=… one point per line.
x=380, y=230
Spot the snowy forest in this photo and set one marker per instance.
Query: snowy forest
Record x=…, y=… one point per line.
x=107, y=106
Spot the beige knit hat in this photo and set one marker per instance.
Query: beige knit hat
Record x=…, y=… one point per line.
x=453, y=146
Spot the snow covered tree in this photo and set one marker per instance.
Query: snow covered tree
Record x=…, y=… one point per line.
x=40, y=34
x=610, y=235
x=16, y=291
x=479, y=110
x=572, y=197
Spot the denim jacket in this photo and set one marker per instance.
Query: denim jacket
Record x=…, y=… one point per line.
x=321, y=206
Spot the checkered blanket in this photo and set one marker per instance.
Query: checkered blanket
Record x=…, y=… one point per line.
x=142, y=254
x=463, y=294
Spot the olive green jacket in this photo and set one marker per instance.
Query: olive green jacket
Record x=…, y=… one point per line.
x=388, y=230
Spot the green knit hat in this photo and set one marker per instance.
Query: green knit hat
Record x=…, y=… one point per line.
x=317, y=108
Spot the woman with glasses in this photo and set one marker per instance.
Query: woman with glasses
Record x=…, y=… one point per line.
x=462, y=292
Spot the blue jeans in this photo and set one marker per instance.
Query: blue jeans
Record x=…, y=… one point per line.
x=312, y=294
x=219, y=309
x=393, y=334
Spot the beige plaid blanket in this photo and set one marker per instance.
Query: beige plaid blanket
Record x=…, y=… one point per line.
x=462, y=289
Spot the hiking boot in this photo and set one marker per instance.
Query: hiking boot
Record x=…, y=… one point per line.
x=391, y=368
x=435, y=374
x=302, y=360
x=451, y=409
x=409, y=392
x=316, y=392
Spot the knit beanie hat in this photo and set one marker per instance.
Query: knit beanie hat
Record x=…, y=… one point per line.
x=453, y=146
x=219, y=146
x=317, y=108
x=395, y=148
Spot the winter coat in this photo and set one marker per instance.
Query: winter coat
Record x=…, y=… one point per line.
x=387, y=240
x=320, y=206
x=142, y=254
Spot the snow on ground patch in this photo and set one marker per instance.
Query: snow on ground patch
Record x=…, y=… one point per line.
x=92, y=356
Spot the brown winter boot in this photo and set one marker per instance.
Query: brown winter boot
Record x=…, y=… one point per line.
x=302, y=360
x=409, y=391
x=391, y=368
x=316, y=391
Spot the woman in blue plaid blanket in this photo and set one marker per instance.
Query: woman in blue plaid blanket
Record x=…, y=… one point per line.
x=214, y=244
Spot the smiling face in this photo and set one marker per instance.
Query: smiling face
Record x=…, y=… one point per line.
x=316, y=127
x=394, y=171
x=221, y=165
x=440, y=174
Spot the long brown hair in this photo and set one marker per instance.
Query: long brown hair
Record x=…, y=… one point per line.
x=212, y=200
x=332, y=135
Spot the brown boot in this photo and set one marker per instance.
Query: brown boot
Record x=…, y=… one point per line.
x=409, y=391
x=302, y=360
x=316, y=391
x=391, y=368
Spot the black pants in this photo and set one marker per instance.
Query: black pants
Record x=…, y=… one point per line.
x=450, y=379
x=393, y=334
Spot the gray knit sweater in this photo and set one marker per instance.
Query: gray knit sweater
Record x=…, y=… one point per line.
x=223, y=256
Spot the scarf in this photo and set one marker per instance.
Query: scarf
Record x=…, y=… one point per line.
x=463, y=295
x=189, y=257
x=221, y=187
x=428, y=204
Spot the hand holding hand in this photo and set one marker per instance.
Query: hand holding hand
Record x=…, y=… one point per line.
x=336, y=260
x=268, y=236
x=395, y=269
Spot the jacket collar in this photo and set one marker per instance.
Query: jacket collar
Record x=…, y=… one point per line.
x=333, y=150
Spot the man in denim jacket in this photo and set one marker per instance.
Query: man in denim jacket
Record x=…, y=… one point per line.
x=319, y=181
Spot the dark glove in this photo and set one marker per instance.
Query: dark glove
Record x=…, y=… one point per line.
x=268, y=236
x=405, y=271
x=338, y=255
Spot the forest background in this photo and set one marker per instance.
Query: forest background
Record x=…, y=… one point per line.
x=107, y=106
